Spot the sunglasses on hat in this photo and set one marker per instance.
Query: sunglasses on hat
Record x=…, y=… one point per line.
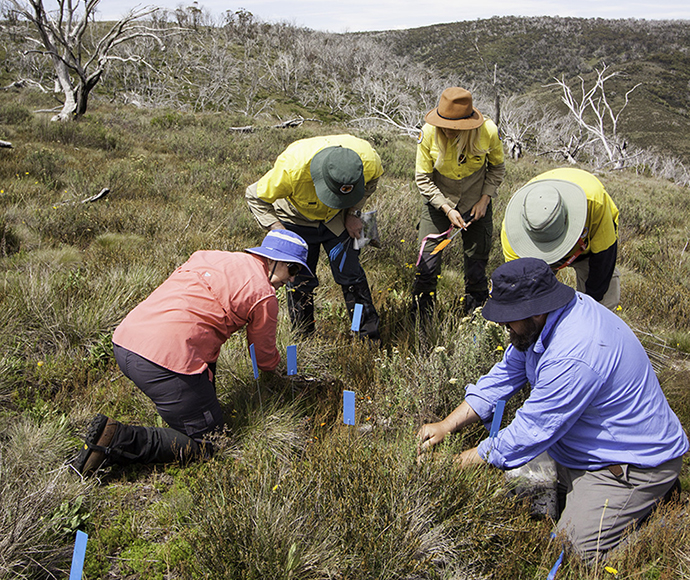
x=294, y=269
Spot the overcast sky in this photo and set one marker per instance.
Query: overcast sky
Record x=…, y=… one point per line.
x=358, y=15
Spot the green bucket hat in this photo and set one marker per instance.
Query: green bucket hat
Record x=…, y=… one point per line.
x=338, y=176
x=545, y=218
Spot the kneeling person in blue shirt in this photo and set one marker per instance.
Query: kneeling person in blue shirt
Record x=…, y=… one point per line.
x=595, y=406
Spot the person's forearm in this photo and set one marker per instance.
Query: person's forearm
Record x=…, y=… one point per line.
x=263, y=212
x=430, y=192
x=469, y=458
x=433, y=433
x=601, y=267
x=462, y=416
x=495, y=174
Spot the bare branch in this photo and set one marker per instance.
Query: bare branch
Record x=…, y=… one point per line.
x=596, y=116
x=78, y=65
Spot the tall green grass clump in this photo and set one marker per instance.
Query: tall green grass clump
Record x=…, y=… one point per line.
x=43, y=504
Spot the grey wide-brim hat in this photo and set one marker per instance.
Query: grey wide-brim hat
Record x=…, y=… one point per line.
x=338, y=176
x=545, y=218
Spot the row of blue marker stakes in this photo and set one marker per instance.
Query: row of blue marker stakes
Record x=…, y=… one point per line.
x=292, y=349
x=348, y=419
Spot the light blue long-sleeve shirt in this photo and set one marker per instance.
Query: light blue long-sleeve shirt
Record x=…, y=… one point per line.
x=595, y=399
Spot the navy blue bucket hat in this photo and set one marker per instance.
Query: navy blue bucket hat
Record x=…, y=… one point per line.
x=284, y=246
x=523, y=288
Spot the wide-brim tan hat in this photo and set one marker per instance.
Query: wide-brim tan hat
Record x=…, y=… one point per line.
x=545, y=218
x=455, y=111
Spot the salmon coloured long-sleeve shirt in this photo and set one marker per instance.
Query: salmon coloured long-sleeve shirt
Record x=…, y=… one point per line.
x=184, y=322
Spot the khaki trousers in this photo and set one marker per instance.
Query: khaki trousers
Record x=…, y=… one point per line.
x=600, y=505
x=613, y=294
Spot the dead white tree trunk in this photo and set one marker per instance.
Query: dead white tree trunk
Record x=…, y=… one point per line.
x=595, y=115
x=68, y=36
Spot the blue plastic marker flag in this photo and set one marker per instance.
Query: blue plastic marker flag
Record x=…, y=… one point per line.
x=254, y=365
x=349, y=407
x=78, y=556
x=292, y=360
x=498, y=415
x=357, y=317
x=556, y=566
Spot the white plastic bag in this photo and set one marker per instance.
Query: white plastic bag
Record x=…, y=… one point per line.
x=538, y=481
x=370, y=231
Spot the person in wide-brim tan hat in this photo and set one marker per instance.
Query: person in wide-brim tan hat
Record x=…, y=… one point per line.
x=458, y=169
x=455, y=111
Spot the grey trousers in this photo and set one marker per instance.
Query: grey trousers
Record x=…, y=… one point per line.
x=613, y=294
x=188, y=403
x=600, y=506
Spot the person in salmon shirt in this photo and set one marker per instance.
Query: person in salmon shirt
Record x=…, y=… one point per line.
x=169, y=344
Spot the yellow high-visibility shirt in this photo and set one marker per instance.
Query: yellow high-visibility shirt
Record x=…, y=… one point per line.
x=601, y=224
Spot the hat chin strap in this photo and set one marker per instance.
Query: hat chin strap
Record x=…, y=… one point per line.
x=275, y=265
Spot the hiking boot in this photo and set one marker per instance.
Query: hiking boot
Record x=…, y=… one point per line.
x=99, y=435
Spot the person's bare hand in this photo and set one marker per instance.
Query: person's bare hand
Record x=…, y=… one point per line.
x=468, y=458
x=353, y=225
x=429, y=435
x=455, y=218
x=478, y=210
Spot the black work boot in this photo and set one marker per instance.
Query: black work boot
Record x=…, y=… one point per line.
x=109, y=442
x=473, y=301
x=135, y=444
x=360, y=294
x=99, y=436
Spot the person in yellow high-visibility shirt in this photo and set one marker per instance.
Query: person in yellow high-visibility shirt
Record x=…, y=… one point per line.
x=458, y=169
x=566, y=218
x=317, y=188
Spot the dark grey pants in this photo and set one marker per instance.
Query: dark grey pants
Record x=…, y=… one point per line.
x=476, y=244
x=347, y=272
x=188, y=403
x=601, y=505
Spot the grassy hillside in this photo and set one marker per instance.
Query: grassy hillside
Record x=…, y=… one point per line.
x=530, y=52
x=292, y=492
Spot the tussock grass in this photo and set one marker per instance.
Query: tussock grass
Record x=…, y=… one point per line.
x=292, y=492
x=350, y=506
x=42, y=501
